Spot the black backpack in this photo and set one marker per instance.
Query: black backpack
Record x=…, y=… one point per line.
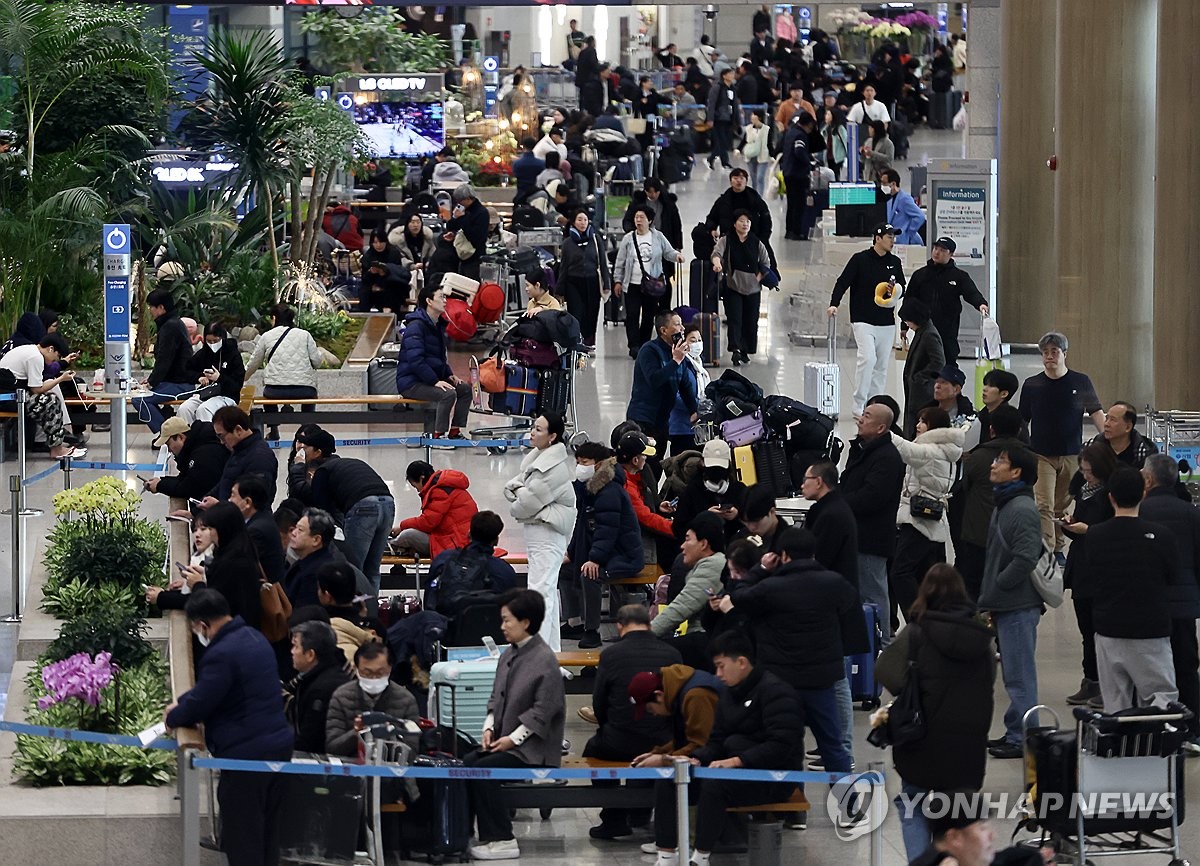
x=463, y=575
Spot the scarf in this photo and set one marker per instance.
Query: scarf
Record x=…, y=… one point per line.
x=584, y=238
x=1000, y=490
x=742, y=256
x=1090, y=489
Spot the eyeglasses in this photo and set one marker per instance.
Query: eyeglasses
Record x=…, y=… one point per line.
x=810, y=477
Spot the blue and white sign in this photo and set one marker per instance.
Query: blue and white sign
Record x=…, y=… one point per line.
x=345, y=101
x=117, y=244
x=323, y=93
x=117, y=239
x=805, y=13
x=491, y=63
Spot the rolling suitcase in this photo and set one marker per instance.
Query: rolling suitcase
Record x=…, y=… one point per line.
x=463, y=690
x=710, y=332
x=321, y=816
x=822, y=381
x=743, y=464
x=554, y=388
x=771, y=466
x=702, y=286
x=520, y=395
x=614, y=310
x=860, y=668
x=445, y=808
x=380, y=379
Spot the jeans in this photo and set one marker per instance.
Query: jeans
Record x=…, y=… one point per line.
x=873, y=587
x=874, y=354
x=741, y=321
x=821, y=710
x=1016, y=632
x=147, y=407
x=914, y=829
x=845, y=702
x=546, y=549
x=457, y=398
x=758, y=176
x=640, y=310
x=487, y=800
x=1052, y=492
x=368, y=524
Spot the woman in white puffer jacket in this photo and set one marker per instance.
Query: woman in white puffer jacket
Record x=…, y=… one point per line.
x=932, y=460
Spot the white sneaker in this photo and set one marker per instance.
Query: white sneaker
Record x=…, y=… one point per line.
x=699, y=859
x=501, y=850
x=649, y=848
x=667, y=858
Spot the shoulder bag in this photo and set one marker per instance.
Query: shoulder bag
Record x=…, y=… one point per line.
x=463, y=246
x=276, y=608
x=928, y=507
x=282, y=337
x=1045, y=577
x=906, y=717
x=652, y=287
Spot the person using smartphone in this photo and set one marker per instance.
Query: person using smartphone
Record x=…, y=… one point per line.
x=199, y=457
x=659, y=378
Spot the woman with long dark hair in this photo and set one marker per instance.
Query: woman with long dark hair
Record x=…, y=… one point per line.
x=583, y=274
x=385, y=278
x=234, y=570
x=878, y=151
x=743, y=259
x=952, y=654
x=218, y=362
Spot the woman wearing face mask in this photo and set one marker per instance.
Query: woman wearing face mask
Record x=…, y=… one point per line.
x=542, y=500
x=639, y=271
x=217, y=362
x=607, y=542
x=234, y=571
x=371, y=691
x=693, y=381
x=583, y=275
x=714, y=489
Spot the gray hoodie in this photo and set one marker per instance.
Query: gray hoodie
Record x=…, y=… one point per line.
x=1013, y=546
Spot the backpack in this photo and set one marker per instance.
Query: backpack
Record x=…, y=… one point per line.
x=488, y=305
x=465, y=573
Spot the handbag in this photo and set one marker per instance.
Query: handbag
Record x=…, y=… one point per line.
x=928, y=507
x=463, y=246
x=276, y=609
x=906, y=717
x=492, y=377
x=652, y=287
x=1046, y=578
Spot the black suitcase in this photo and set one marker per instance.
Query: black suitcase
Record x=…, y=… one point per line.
x=446, y=810
x=771, y=466
x=703, y=293
x=614, y=310
x=554, y=388
x=321, y=817
x=380, y=378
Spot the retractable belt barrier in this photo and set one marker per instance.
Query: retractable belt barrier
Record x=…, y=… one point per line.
x=419, y=442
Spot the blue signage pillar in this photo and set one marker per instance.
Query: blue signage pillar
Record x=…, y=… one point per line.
x=118, y=248
x=188, y=28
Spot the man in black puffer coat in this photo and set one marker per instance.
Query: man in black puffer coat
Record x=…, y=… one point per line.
x=607, y=543
x=199, y=456
x=757, y=727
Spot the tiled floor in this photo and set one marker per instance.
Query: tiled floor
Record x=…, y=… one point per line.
x=603, y=391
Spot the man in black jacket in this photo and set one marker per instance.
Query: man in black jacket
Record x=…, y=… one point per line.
x=622, y=737
x=249, y=453
x=795, y=161
x=1182, y=521
x=1132, y=566
x=344, y=485
x=311, y=541
x=253, y=498
x=943, y=285
x=874, y=326
x=740, y=196
x=172, y=351
x=796, y=615
x=831, y=521
x=871, y=485
x=322, y=669
x=757, y=728
x=199, y=457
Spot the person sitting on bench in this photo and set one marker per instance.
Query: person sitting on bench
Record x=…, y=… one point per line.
x=457, y=573
x=423, y=371
x=23, y=367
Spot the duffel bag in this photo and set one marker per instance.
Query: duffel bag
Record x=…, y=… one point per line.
x=745, y=430
x=533, y=353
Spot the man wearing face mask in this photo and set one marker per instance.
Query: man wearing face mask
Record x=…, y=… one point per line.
x=371, y=691
x=658, y=380
x=902, y=210
x=715, y=489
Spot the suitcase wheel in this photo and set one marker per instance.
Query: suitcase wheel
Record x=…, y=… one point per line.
x=497, y=449
x=545, y=813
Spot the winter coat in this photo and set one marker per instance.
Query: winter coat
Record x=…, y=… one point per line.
x=907, y=218
x=944, y=288
x=955, y=662
x=755, y=148
x=446, y=511
x=977, y=488
x=349, y=700
x=832, y=523
x=474, y=224
x=655, y=250
x=582, y=259
x=667, y=220
x=397, y=239
x=300, y=582
x=172, y=351
x=643, y=494
x=502, y=575
x=657, y=380
x=264, y=535
x=863, y=271
x=529, y=691
x=693, y=599
x=883, y=152
x=422, y=358
x=236, y=577
x=1132, y=565
x=350, y=636
x=759, y=721
x=724, y=106
x=795, y=615
x=237, y=698
x=697, y=498
x=1013, y=547
x=932, y=460
x=1093, y=510
x=293, y=363
x=228, y=363
x=199, y=461
x=606, y=529
x=926, y=357
x=678, y=472
x=692, y=697
x=620, y=733
x=1182, y=521
x=251, y=456
x=795, y=159
x=692, y=382
x=341, y=223
x=871, y=483
x=308, y=697
x=720, y=216
x=336, y=483
x=543, y=492
x=743, y=282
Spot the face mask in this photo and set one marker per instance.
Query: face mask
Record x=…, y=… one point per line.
x=203, y=638
x=373, y=686
x=716, y=486
x=584, y=473
x=696, y=349
x=215, y=348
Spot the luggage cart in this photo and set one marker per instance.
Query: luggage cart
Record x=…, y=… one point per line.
x=1113, y=786
x=385, y=796
x=569, y=362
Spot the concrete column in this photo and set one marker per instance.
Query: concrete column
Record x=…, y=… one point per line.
x=1104, y=190
x=1027, y=265
x=1177, y=219
x=984, y=51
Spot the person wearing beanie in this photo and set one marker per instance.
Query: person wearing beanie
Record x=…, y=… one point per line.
x=704, y=555
x=714, y=490
x=925, y=358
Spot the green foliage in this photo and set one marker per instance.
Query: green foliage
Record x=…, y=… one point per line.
x=132, y=704
x=325, y=326
x=373, y=41
x=83, y=327
x=101, y=628
x=74, y=598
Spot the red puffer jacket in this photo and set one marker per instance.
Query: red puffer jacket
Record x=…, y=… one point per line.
x=446, y=511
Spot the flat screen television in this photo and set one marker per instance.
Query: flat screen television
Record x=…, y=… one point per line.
x=402, y=130
x=858, y=220
x=851, y=193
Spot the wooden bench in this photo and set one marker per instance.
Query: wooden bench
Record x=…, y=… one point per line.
x=795, y=803
x=648, y=576
x=270, y=412
x=578, y=658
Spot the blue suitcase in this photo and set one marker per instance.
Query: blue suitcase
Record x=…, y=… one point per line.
x=860, y=668
x=521, y=391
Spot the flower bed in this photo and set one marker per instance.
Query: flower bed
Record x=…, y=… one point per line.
x=100, y=673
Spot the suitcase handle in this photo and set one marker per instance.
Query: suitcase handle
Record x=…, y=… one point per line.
x=832, y=339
